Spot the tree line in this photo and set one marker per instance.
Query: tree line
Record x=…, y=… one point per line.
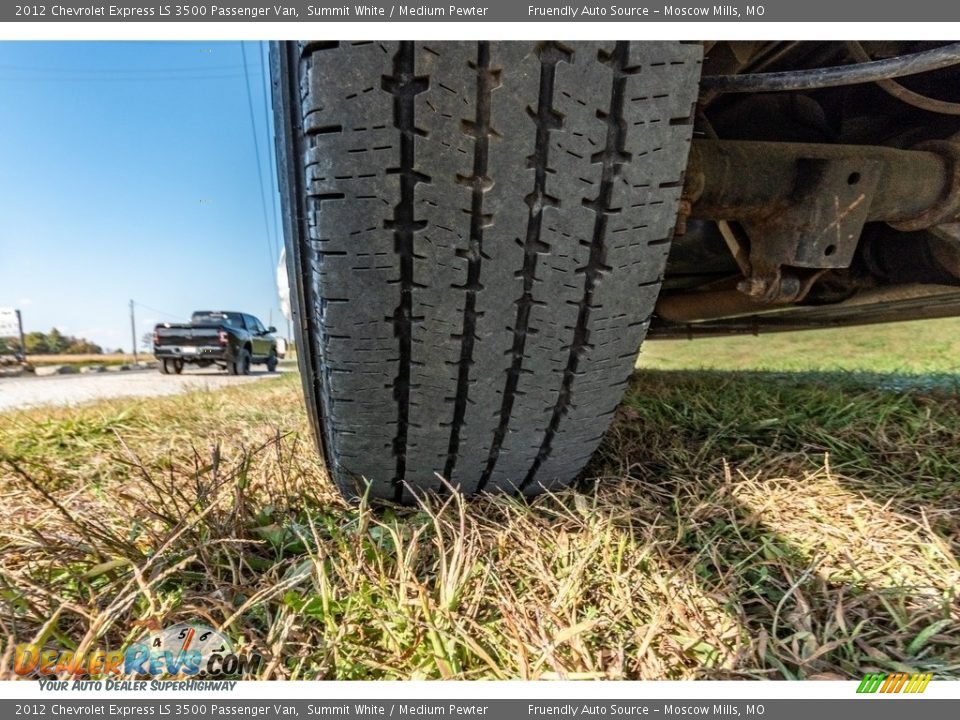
x=50, y=343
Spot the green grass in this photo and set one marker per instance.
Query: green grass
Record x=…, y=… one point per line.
x=733, y=524
x=919, y=347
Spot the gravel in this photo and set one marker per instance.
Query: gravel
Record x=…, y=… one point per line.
x=30, y=391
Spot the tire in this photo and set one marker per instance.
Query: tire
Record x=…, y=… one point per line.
x=272, y=361
x=240, y=364
x=476, y=235
x=171, y=366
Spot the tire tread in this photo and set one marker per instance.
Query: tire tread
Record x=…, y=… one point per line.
x=488, y=225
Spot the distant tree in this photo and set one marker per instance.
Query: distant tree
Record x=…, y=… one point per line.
x=57, y=342
x=36, y=343
x=146, y=342
x=80, y=346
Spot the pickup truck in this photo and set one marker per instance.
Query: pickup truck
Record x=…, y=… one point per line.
x=231, y=340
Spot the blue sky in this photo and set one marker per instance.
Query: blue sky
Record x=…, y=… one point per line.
x=128, y=170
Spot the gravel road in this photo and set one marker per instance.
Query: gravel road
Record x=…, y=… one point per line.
x=28, y=391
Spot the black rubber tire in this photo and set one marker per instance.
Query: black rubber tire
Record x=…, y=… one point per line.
x=476, y=235
x=171, y=366
x=272, y=361
x=240, y=364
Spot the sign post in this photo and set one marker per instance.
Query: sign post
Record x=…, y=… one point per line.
x=133, y=333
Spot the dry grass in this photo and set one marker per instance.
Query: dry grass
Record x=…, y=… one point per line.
x=731, y=526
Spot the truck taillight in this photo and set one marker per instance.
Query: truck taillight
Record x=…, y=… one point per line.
x=156, y=339
x=223, y=337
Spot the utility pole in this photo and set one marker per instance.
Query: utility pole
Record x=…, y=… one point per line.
x=133, y=332
x=23, y=344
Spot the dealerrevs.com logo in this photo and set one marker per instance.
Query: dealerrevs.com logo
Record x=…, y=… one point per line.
x=185, y=649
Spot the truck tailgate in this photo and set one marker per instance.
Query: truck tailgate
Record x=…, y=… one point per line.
x=187, y=336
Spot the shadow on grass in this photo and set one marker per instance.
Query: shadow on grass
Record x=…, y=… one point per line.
x=822, y=510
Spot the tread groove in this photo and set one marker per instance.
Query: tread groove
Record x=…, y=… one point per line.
x=546, y=119
x=480, y=130
x=612, y=157
x=404, y=86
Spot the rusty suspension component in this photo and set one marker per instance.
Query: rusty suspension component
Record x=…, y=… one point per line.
x=744, y=180
x=803, y=207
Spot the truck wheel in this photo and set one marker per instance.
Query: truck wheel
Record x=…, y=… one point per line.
x=170, y=366
x=476, y=235
x=241, y=364
x=272, y=361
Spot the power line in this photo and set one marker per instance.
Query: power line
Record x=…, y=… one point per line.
x=256, y=150
x=159, y=312
x=271, y=146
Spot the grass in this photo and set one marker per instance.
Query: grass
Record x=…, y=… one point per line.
x=87, y=359
x=918, y=347
x=732, y=525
